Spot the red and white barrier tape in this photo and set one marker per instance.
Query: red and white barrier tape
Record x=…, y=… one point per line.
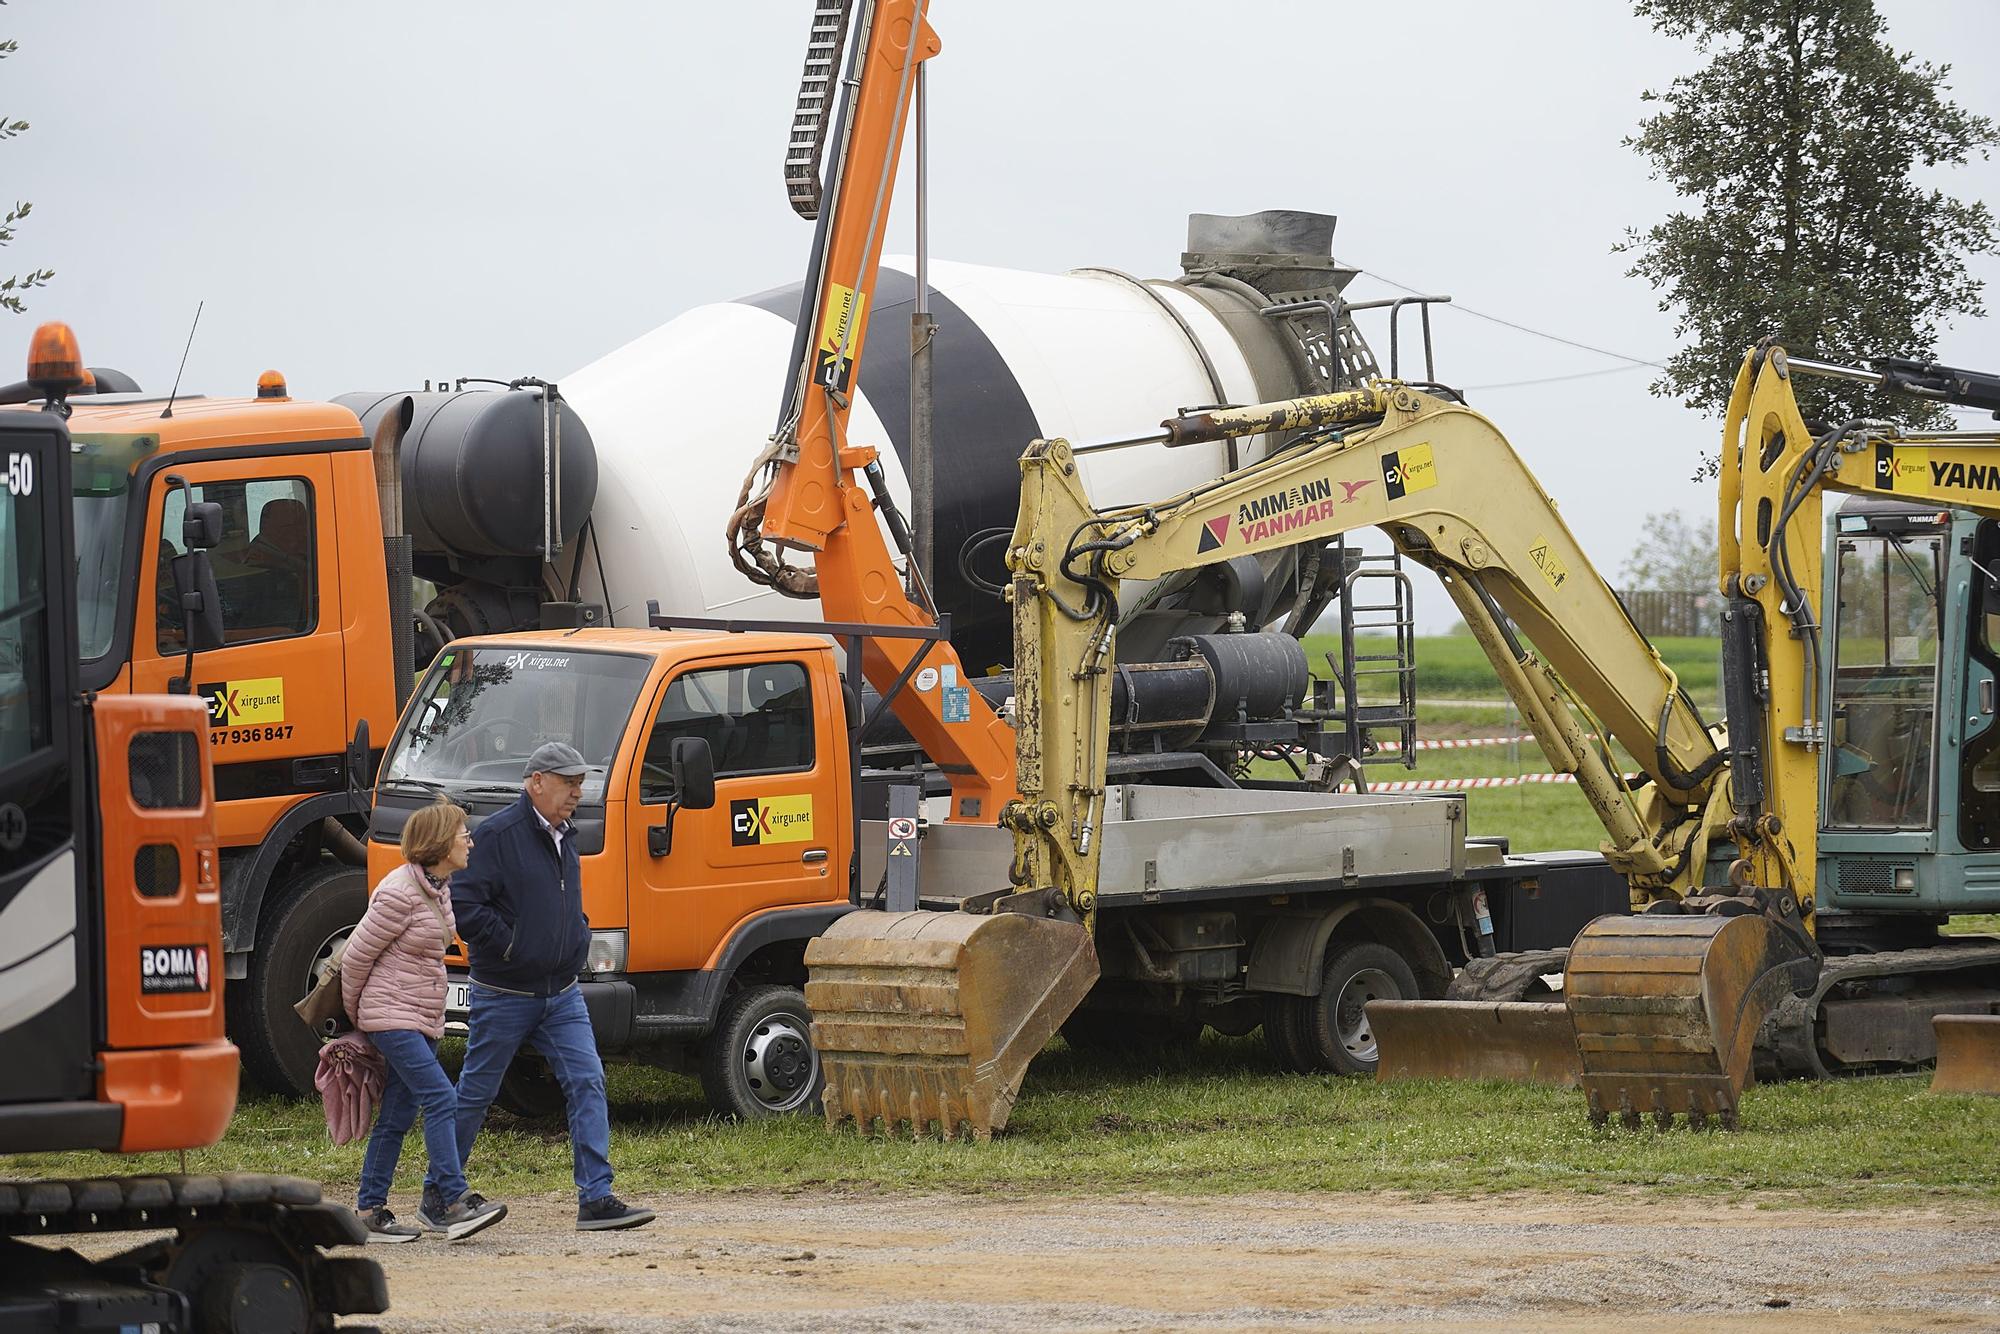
x=1460, y=784
x=1457, y=743
x=1466, y=742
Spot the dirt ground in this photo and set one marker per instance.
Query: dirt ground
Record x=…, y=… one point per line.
x=773, y=1262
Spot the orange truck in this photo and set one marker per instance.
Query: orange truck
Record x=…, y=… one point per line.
x=111, y=988
x=301, y=541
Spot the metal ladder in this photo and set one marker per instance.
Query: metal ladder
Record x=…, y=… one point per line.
x=811, y=116
x=1380, y=576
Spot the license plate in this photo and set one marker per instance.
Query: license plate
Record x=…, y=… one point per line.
x=458, y=999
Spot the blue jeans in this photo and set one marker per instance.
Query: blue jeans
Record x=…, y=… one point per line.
x=559, y=1028
x=414, y=1079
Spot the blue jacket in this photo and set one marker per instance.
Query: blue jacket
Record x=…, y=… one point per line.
x=519, y=907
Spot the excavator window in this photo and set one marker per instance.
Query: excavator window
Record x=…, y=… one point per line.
x=1884, y=698
x=264, y=569
x=757, y=719
x=1979, y=793
x=25, y=709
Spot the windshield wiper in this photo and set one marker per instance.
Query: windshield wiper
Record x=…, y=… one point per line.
x=405, y=784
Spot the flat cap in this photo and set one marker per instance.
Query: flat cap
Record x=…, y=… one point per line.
x=556, y=757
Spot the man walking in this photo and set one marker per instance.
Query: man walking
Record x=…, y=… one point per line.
x=519, y=904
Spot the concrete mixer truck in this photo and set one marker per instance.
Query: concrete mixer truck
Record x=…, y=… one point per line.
x=748, y=791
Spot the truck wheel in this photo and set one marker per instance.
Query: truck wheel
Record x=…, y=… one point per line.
x=1337, y=1029
x=760, y=1061
x=294, y=945
x=529, y=1090
x=1285, y=1033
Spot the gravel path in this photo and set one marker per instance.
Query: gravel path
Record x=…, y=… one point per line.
x=775, y=1262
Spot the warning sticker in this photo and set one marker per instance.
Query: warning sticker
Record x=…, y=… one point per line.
x=844, y=308
x=1544, y=558
x=761, y=820
x=259, y=699
x=1408, y=471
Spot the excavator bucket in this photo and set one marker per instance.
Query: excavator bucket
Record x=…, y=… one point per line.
x=1968, y=1053
x=1666, y=1009
x=1522, y=1042
x=932, y=1017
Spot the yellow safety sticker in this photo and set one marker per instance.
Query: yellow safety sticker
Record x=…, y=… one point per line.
x=259, y=699
x=771, y=820
x=1544, y=558
x=1406, y=471
x=844, y=308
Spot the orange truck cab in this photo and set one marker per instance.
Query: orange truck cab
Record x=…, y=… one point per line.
x=716, y=830
x=288, y=517
x=301, y=675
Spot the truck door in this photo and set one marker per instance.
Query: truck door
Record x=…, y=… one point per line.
x=275, y=690
x=776, y=831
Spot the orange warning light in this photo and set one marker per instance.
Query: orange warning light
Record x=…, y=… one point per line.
x=54, y=364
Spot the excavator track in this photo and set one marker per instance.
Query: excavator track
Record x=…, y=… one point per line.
x=929, y=1019
x=1791, y=1045
x=246, y=1252
x=1667, y=1009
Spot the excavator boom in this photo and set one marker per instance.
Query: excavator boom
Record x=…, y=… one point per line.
x=924, y=1018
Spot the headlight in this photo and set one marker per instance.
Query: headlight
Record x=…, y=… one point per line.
x=1906, y=879
x=607, y=952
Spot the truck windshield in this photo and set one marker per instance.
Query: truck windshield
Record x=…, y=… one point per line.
x=101, y=481
x=24, y=682
x=484, y=709
x=1884, y=681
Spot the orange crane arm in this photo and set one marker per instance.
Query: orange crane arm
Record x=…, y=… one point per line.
x=817, y=501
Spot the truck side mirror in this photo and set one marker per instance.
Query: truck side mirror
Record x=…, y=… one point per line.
x=693, y=766
x=201, y=612
x=201, y=604
x=201, y=529
x=694, y=773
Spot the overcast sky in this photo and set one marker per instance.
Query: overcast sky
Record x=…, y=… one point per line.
x=374, y=192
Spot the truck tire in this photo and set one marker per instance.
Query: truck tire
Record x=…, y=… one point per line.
x=529, y=1090
x=1285, y=1033
x=760, y=1061
x=314, y=913
x=1336, y=1021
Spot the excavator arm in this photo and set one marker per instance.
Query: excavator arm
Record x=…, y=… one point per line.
x=813, y=490
x=1453, y=495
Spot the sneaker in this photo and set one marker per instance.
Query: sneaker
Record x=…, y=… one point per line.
x=609, y=1214
x=431, y=1212
x=473, y=1213
x=383, y=1229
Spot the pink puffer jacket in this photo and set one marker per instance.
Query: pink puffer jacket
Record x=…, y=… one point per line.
x=392, y=975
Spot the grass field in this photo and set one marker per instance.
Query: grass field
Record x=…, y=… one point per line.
x=1224, y=1122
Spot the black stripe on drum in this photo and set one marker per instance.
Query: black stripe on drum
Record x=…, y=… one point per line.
x=981, y=423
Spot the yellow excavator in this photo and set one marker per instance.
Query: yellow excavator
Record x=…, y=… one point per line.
x=1734, y=888
x=1756, y=910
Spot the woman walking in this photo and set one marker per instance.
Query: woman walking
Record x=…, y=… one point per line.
x=392, y=980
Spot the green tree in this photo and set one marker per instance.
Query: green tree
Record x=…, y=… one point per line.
x=1671, y=556
x=11, y=288
x=1801, y=150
